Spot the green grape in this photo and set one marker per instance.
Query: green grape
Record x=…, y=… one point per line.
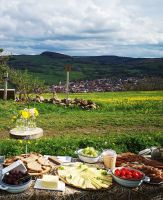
x=90, y=151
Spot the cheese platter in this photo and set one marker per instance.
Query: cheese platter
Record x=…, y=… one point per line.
x=84, y=176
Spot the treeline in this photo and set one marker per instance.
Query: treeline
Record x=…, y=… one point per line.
x=145, y=84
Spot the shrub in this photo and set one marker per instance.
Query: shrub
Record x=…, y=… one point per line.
x=66, y=145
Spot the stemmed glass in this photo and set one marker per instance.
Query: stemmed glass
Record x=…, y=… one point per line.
x=20, y=124
x=26, y=145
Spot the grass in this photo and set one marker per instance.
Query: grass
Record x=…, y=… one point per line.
x=121, y=114
x=67, y=145
x=118, y=112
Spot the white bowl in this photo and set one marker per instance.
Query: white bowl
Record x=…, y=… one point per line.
x=129, y=183
x=87, y=159
x=16, y=188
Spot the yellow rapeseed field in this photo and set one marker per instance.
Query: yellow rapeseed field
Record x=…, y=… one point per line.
x=132, y=100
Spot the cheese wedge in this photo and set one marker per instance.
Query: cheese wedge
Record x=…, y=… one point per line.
x=49, y=181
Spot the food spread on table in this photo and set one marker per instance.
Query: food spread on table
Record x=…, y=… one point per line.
x=131, y=171
x=84, y=176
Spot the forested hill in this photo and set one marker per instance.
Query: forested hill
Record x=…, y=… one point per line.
x=50, y=66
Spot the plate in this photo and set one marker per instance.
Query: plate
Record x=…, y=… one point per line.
x=61, y=186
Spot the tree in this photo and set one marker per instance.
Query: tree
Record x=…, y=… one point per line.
x=3, y=64
x=24, y=82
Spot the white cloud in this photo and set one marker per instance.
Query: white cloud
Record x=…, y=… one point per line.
x=92, y=27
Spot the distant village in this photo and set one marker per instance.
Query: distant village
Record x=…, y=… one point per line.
x=98, y=85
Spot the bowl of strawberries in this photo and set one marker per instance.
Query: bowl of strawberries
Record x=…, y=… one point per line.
x=129, y=177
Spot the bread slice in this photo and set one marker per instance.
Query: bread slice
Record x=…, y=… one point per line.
x=43, y=161
x=28, y=160
x=31, y=173
x=46, y=169
x=35, y=156
x=55, y=160
x=9, y=160
x=34, y=166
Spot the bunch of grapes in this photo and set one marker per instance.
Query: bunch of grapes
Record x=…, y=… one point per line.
x=16, y=177
x=90, y=151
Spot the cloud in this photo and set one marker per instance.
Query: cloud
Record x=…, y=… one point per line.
x=92, y=27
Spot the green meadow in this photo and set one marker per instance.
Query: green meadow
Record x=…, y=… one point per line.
x=125, y=121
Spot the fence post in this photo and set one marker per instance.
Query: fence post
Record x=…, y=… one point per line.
x=5, y=86
x=67, y=69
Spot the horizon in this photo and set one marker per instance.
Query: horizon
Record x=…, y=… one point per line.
x=123, y=28
x=82, y=55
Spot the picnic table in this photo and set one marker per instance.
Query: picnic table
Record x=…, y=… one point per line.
x=115, y=192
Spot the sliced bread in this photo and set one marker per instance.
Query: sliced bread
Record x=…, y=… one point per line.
x=34, y=166
x=43, y=161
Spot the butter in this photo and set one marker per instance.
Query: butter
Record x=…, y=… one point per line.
x=49, y=181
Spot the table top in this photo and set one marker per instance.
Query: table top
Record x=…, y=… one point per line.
x=144, y=192
x=115, y=192
x=34, y=133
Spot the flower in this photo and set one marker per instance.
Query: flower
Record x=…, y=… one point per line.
x=14, y=118
x=32, y=112
x=36, y=112
x=20, y=141
x=25, y=114
x=26, y=118
x=29, y=113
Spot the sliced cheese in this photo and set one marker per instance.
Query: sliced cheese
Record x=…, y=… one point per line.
x=84, y=176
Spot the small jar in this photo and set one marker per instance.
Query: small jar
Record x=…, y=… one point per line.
x=109, y=158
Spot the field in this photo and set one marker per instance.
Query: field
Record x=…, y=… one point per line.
x=129, y=114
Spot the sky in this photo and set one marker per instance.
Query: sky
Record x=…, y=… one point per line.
x=131, y=28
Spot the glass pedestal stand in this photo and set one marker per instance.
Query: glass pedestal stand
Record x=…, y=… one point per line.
x=26, y=138
x=26, y=135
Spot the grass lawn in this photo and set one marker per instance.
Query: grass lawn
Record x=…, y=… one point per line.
x=125, y=121
x=119, y=112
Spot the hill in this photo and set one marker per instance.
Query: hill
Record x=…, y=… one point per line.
x=50, y=66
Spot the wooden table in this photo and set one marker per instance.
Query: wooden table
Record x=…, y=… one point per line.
x=29, y=134
x=116, y=192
